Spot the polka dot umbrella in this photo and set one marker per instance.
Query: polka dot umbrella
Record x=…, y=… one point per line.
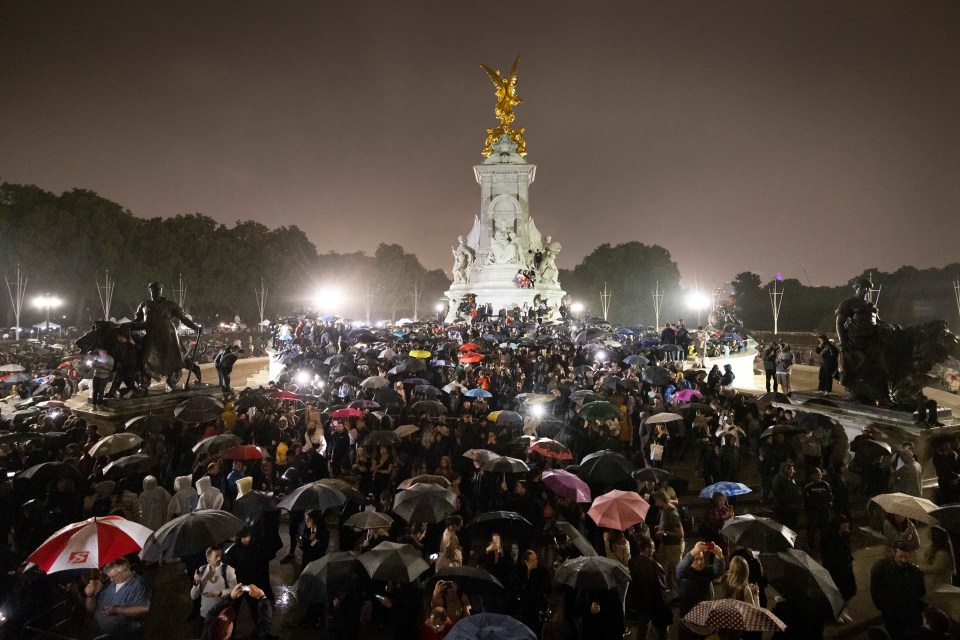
x=733, y=615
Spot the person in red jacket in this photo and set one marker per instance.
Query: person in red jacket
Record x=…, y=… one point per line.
x=437, y=625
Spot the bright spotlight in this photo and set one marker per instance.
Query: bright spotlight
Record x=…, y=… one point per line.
x=47, y=302
x=602, y=356
x=302, y=377
x=440, y=306
x=698, y=300
x=538, y=410
x=329, y=298
x=577, y=307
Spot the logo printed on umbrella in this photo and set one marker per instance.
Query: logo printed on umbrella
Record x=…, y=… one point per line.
x=78, y=557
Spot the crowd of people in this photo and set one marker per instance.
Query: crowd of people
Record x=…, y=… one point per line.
x=496, y=415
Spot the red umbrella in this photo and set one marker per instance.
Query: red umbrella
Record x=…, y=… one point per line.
x=67, y=364
x=346, y=413
x=284, y=395
x=619, y=510
x=246, y=453
x=470, y=347
x=566, y=485
x=90, y=544
x=471, y=358
x=551, y=449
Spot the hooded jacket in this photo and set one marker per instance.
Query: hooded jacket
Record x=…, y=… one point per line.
x=210, y=497
x=153, y=504
x=184, y=499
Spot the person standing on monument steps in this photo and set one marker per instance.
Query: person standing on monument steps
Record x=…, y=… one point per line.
x=224, y=364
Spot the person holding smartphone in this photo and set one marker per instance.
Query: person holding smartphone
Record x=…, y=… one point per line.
x=695, y=578
x=212, y=582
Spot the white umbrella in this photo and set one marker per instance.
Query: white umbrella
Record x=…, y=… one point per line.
x=14, y=368
x=907, y=506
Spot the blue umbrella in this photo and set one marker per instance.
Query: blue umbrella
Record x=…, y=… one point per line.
x=490, y=626
x=478, y=393
x=639, y=361
x=726, y=488
x=442, y=363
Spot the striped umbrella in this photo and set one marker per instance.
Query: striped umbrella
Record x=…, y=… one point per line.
x=90, y=544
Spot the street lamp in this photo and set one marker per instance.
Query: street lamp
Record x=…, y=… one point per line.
x=699, y=301
x=47, y=302
x=577, y=309
x=329, y=299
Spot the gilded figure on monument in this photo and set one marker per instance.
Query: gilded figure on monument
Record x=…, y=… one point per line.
x=507, y=99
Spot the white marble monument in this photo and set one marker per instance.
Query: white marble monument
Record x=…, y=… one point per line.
x=505, y=240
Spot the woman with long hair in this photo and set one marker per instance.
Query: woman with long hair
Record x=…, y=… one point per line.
x=315, y=537
x=736, y=584
x=382, y=469
x=938, y=562
x=445, y=469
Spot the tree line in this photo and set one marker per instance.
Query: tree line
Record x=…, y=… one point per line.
x=66, y=243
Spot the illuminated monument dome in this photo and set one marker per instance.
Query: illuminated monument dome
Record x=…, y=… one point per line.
x=504, y=239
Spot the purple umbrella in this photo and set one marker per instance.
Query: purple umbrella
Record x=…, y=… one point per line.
x=566, y=485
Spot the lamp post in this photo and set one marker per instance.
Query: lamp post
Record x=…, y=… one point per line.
x=47, y=302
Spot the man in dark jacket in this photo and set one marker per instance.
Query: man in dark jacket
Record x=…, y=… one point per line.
x=787, y=496
x=224, y=364
x=646, y=604
x=818, y=503
x=829, y=358
x=897, y=589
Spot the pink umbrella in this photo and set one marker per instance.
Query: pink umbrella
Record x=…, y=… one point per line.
x=619, y=510
x=346, y=413
x=686, y=395
x=566, y=485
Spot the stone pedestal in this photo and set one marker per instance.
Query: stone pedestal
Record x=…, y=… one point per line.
x=505, y=239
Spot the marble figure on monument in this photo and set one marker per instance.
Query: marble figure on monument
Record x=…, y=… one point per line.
x=463, y=257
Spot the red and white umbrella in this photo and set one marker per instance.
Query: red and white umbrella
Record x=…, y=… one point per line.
x=90, y=544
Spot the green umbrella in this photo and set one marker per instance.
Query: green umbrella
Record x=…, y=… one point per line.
x=599, y=410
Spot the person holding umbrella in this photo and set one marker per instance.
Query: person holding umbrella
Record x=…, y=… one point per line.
x=118, y=606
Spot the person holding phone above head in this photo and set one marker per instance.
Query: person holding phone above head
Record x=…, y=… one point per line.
x=695, y=578
x=446, y=594
x=213, y=582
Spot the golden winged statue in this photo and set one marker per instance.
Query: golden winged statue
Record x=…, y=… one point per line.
x=507, y=99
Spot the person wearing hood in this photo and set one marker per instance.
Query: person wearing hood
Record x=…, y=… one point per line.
x=726, y=380
x=210, y=497
x=184, y=499
x=906, y=479
x=153, y=503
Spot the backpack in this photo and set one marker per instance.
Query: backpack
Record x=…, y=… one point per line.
x=218, y=360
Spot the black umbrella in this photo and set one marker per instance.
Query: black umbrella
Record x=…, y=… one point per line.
x=216, y=444
x=472, y=580
x=143, y=424
x=489, y=626
x=760, y=534
x=260, y=401
x=191, y=533
x=381, y=438
x=332, y=571
x=656, y=376
x=562, y=528
x=870, y=448
x=506, y=522
x=605, y=467
x=198, y=409
x=809, y=421
x=506, y=464
x=313, y=496
x=128, y=465
x=948, y=516
x=250, y=506
x=767, y=399
x=785, y=429
x=424, y=503
x=428, y=407
x=388, y=396
x=408, y=365
x=652, y=474
x=798, y=577
x=46, y=471
x=427, y=390
x=393, y=562
x=592, y=572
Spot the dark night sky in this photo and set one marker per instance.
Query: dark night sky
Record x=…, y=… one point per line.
x=739, y=135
